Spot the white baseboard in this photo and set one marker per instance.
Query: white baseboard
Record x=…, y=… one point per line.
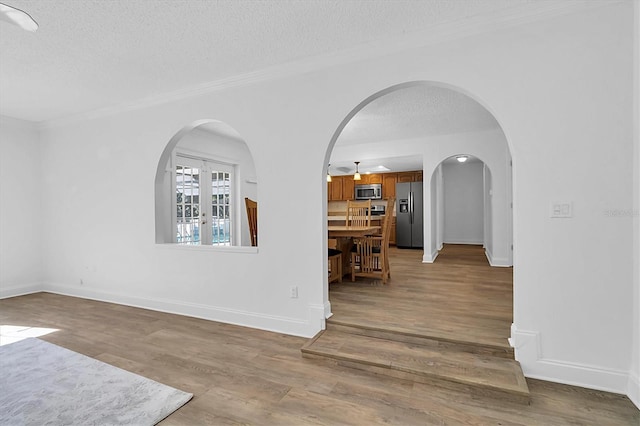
x=633, y=389
x=498, y=262
x=320, y=313
x=278, y=324
x=430, y=257
x=529, y=354
x=466, y=242
x=20, y=290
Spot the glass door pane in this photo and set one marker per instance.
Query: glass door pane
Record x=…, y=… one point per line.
x=221, y=208
x=187, y=204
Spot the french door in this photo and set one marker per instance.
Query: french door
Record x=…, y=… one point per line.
x=203, y=203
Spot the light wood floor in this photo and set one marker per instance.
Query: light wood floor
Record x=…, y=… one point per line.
x=458, y=297
x=246, y=376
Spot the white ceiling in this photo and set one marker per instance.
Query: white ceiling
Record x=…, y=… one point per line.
x=414, y=112
x=93, y=55
x=411, y=113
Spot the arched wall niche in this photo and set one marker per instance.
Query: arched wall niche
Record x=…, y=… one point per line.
x=215, y=142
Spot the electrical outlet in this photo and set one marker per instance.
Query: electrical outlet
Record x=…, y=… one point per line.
x=293, y=292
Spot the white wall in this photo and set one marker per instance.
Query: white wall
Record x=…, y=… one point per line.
x=487, y=186
x=562, y=91
x=634, y=376
x=463, y=203
x=21, y=215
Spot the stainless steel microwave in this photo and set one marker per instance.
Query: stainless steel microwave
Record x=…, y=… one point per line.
x=368, y=192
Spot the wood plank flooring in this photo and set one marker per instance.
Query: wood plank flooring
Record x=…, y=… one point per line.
x=246, y=376
x=459, y=297
x=431, y=364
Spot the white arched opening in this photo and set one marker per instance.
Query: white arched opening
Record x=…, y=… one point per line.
x=225, y=175
x=463, y=205
x=488, y=144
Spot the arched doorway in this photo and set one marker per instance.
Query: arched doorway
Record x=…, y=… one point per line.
x=433, y=121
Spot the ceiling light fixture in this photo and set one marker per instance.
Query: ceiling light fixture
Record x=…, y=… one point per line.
x=328, y=174
x=17, y=17
x=462, y=158
x=356, y=176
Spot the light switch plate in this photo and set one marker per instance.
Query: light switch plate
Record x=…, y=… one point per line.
x=562, y=209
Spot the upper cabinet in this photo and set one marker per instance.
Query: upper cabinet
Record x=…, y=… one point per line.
x=389, y=181
x=334, y=188
x=348, y=188
x=410, y=176
x=370, y=179
x=342, y=188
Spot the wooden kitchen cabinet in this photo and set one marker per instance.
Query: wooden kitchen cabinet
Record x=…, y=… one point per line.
x=348, y=188
x=342, y=188
x=410, y=176
x=372, y=178
x=389, y=181
x=405, y=177
x=334, y=188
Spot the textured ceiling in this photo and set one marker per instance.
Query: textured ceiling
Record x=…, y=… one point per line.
x=411, y=113
x=94, y=54
x=414, y=112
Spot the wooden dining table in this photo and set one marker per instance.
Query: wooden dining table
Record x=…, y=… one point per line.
x=344, y=236
x=342, y=231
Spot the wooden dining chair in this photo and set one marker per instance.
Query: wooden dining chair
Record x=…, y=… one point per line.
x=252, y=216
x=358, y=213
x=335, y=262
x=370, y=258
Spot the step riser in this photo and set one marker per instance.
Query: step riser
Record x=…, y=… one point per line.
x=439, y=344
x=472, y=390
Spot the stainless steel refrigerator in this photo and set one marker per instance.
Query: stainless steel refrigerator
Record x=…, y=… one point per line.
x=409, y=215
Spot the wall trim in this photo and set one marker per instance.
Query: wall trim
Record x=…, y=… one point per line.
x=318, y=314
x=528, y=351
x=633, y=389
x=466, y=242
x=430, y=258
x=498, y=262
x=273, y=323
x=20, y=290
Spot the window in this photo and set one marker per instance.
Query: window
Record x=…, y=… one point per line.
x=203, y=212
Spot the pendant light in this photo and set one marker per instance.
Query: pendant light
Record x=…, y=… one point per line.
x=328, y=174
x=356, y=176
x=462, y=158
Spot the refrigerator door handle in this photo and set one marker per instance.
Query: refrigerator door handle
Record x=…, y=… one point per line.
x=411, y=208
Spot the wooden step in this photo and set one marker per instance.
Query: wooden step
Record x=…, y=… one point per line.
x=434, y=340
x=448, y=367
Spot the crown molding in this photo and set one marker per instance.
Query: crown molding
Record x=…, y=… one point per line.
x=448, y=31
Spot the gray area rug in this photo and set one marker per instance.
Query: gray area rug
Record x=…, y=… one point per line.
x=45, y=384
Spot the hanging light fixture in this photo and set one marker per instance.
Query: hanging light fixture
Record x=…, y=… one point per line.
x=462, y=158
x=356, y=176
x=328, y=174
